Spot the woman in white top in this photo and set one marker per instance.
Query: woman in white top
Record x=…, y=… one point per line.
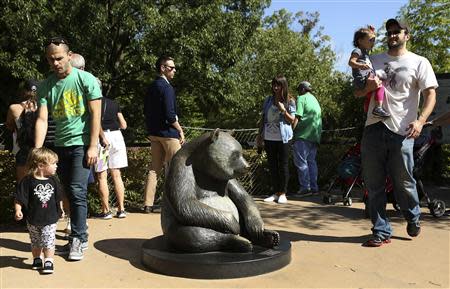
x=278, y=116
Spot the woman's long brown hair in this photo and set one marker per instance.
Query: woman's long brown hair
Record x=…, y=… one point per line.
x=281, y=81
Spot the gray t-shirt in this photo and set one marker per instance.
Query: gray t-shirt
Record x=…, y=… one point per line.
x=407, y=76
x=360, y=75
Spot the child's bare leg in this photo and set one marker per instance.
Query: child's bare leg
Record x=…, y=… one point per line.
x=49, y=253
x=36, y=252
x=37, y=258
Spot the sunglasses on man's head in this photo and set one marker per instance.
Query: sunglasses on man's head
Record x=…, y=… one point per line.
x=56, y=41
x=393, y=32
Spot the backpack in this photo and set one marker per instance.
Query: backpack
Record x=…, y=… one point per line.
x=25, y=134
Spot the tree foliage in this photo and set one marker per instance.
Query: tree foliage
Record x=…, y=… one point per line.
x=298, y=55
x=122, y=39
x=430, y=27
x=225, y=51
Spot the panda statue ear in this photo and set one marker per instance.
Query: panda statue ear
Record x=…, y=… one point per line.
x=231, y=132
x=214, y=135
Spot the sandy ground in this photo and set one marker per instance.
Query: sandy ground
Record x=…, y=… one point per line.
x=326, y=252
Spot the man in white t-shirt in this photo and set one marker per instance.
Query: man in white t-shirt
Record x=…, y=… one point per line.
x=387, y=144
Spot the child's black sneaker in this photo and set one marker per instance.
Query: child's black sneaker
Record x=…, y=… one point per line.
x=37, y=264
x=380, y=112
x=48, y=267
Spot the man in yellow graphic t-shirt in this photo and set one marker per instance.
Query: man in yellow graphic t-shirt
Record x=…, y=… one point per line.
x=73, y=98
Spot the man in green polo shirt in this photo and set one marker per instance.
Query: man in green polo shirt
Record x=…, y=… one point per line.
x=307, y=138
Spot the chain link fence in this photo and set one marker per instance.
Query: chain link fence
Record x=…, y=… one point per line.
x=256, y=181
x=246, y=137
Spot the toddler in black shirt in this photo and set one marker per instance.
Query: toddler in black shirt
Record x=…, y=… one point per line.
x=40, y=193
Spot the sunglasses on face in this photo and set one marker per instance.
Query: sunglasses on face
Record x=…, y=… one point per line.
x=56, y=41
x=170, y=67
x=393, y=32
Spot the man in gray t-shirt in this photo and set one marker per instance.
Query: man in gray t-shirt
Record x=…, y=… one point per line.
x=387, y=144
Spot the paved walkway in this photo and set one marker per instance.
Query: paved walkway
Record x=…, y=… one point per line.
x=326, y=253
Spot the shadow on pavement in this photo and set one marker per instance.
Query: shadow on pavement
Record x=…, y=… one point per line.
x=127, y=249
x=316, y=215
x=15, y=245
x=14, y=261
x=295, y=237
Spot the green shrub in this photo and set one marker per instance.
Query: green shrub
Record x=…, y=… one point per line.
x=135, y=176
x=8, y=184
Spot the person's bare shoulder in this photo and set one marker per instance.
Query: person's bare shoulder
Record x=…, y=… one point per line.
x=16, y=109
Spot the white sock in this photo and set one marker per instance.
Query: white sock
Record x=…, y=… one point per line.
x=48, y=259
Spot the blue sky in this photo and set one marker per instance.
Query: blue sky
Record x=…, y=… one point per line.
x=340, y=19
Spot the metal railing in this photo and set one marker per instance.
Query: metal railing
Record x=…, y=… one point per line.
x=255, y=181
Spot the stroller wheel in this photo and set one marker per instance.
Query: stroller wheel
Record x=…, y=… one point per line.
x=348, y=201
x=437, y=208
x=327, y=200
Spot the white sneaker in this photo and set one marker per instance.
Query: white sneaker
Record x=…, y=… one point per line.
x=48, y=267
x=76, y=250
x=282, y=199
x=271, y=198
x=121, y=214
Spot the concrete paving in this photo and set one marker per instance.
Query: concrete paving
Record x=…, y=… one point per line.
x=326, y=252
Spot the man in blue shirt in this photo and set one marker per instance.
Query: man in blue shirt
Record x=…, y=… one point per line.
x=163, y=129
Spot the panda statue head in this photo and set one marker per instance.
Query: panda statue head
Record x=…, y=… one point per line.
x=221, y=157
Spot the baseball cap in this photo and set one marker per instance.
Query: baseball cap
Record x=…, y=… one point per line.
x=304, y=85
x=31, y=84
x=400, y=22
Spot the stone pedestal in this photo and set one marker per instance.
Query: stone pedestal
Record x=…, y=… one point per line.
x=213, y=265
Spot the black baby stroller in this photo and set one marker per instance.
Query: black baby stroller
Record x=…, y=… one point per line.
x=421, y=147
x=348, y=176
